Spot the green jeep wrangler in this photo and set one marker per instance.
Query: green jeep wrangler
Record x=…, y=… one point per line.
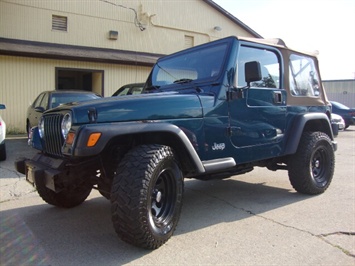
x=212, y=111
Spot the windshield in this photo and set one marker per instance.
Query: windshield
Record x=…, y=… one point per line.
x=194, y=65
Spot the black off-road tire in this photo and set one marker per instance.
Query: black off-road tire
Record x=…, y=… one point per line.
x=146, y=196
x=67, y=198
x=311, y=169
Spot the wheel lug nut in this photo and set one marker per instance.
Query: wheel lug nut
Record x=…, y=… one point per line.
x=158, y=196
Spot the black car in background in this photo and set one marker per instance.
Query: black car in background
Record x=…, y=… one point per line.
x=348, y=114
x=51, y=99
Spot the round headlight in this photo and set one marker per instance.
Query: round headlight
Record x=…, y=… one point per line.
x=66, y=125
x=41, y=127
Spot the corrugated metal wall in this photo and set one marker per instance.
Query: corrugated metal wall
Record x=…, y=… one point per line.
x=22, y=79
x=342, y=91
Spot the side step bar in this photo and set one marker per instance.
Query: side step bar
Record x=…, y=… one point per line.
x=218, y=164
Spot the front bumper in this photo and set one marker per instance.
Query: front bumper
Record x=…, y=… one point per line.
x=41, y=167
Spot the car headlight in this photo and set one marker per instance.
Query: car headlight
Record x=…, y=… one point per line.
x=66, y=125
x=41, y=127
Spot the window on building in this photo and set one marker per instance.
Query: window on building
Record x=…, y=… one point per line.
x=79, y=79
x=189, y=41
x=59, y=23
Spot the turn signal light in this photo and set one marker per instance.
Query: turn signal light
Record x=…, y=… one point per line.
x=93, y=139
x=70, y=138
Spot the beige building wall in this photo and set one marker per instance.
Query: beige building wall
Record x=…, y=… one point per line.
x=22, y=79
x=89, y=22
x=169, y=26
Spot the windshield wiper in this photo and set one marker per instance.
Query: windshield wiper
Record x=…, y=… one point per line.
x=181, y=81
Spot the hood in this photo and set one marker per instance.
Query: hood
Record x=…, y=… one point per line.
x=154, y=106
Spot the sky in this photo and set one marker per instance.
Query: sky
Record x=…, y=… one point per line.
x=326, y=26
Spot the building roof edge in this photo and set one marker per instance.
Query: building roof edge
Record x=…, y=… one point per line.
x=232, y=18
x=27, y=48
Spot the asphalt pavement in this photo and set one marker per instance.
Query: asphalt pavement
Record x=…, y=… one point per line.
x=252, y=219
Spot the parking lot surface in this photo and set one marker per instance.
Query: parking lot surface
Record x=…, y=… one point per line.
x=252, y=219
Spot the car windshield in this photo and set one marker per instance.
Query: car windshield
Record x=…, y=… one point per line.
x=58, y=99
x=194, y=65
x=129, y=89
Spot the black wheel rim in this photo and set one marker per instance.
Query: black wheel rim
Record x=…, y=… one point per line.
x=319, y=165
x=163, y=199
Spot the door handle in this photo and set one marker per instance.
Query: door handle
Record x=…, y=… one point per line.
x=277, y=97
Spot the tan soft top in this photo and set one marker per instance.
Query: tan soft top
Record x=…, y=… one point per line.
x=277, y=42
x=286, y=51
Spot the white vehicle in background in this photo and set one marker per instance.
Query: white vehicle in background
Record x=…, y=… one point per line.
x=337, y=119
x=2, y=136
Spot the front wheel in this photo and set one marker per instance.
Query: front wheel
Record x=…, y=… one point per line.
x=67, y=198
x=146, y=196
x=311, y=168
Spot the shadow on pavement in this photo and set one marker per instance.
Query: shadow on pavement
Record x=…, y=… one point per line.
x=46, y=235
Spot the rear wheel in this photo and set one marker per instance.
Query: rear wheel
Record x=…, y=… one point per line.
x=146, y=196
x=311, y=169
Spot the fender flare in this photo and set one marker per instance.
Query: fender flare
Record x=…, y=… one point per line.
x=294, y=132
x=109, y=131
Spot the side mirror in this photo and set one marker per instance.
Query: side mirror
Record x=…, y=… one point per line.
x=252, y=72
x=2, y=106
x=39, y=109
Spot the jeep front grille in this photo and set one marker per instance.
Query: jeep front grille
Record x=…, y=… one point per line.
x=53, y=134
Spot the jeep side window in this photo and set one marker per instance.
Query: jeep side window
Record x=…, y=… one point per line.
x=269, y=64
x=304, y=79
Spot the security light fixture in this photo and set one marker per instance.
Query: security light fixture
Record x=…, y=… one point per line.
x=113, y=35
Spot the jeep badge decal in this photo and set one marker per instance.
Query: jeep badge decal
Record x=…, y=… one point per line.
x=218, y=146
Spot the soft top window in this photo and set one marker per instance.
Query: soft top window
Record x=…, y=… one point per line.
x=304, y=79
